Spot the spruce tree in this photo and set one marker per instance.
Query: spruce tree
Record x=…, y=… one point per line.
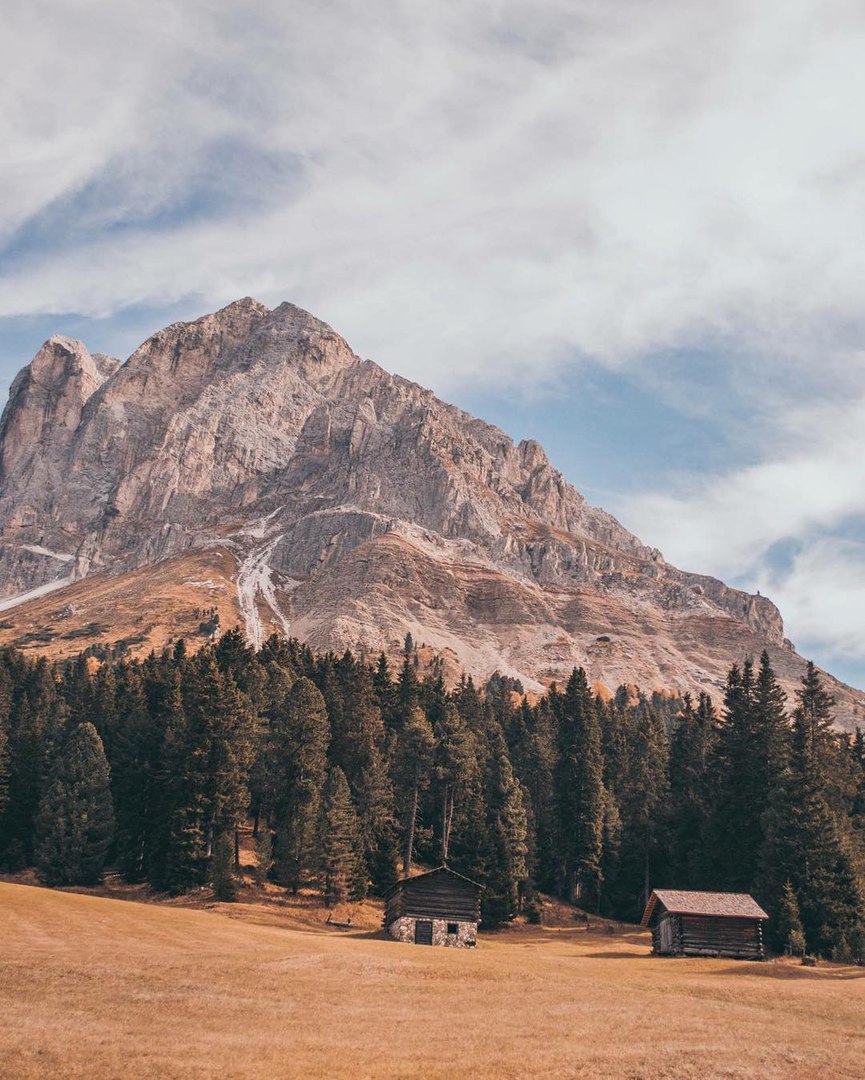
x=220, y=749
x=580, y=791
x=37, y=731
x=75, y=823
x=456, y=770
x=806, y=842
x=738, y=787
x=5, y=754
x=505, y=870
x=295, y=769
x=222, y=868
x=135, y=749
x=815, y=708
x=788, y=923
x=413, y=769
x=690, y=754
x=773, y=728
x=642, y=795
x=341, y=868
x=180, y=858
x=360, y=749
x=533, y=754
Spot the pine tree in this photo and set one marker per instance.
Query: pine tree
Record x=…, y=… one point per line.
x=738, y=795
x=5, y=755
x=413, y=768
x=386, y=693
x=533, y=753
x=341, y=861
x=295, y=769
x=180, y=857
x=135, y=749
x=456, y=767
x=642, y=795
x=505, y=869
x=407, y=693
x=773, y=728
x=220, y=730
x=580, y=791
x=263, y=855
x=75, y=823
x=815, y=708
x=222, y=868
x=690, y=754
x=805, y=842
x=359, y=748
x=37, y=731
x=612, y=843
x=788, y=922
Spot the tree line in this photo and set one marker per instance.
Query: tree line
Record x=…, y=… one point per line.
x=351, y=771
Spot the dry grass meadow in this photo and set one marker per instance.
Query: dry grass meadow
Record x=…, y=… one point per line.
x=95, y=987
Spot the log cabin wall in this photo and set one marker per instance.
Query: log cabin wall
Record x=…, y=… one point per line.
x=708, y=935
x=437, y=897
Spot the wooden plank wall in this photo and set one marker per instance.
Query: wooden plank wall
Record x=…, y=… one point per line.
x=698, y=935
x=440, y=897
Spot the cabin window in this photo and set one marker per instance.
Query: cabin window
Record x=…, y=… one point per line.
x=453, y=928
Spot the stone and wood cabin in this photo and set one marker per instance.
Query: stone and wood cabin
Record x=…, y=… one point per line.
x=705, y=924
x=440, y=907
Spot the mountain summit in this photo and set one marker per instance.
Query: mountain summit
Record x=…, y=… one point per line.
x=249, y=467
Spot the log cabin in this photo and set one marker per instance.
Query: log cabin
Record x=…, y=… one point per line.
x=705, y=924
x=440, y=907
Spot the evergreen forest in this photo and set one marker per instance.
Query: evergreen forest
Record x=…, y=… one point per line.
x=350, y=772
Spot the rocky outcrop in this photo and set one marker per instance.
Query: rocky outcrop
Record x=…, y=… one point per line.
x=356, y=505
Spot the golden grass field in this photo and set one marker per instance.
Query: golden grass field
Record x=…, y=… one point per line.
x=95, y=987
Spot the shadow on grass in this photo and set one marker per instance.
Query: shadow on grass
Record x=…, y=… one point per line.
x=610, y=955
x=363, y=935
x=773, y=969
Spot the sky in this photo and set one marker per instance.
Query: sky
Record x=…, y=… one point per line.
x=634, y=232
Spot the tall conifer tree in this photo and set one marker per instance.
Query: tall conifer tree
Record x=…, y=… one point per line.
x=580, y=791
x=413, y=768
x=343, y=874
x=75, y=823
x=296, y=766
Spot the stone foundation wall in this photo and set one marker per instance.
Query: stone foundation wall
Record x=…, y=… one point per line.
x=402, y=929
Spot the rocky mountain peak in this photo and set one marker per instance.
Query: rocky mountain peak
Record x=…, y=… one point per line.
x=47, y=398
x=353, y=504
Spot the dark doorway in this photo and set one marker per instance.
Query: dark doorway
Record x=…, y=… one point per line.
x=423, y=932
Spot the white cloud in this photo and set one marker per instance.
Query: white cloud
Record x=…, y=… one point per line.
x=484, y=192
x=478, y=188
x=814, y=481
x=823, y=595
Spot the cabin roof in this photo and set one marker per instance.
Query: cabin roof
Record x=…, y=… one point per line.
x=735, y=905
x=429, y=873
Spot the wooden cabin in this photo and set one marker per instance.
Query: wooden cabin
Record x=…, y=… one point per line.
x=437, y=908
x=705, y=924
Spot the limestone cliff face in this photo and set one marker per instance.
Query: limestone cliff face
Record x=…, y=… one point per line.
x=356, y=504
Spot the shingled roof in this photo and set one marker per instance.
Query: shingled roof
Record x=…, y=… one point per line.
x=737, y=905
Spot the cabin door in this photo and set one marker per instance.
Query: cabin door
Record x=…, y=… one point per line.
x=665, y=932
x=423, y=932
